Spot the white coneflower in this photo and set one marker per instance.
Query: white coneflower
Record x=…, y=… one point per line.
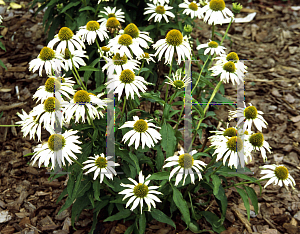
x=173, y=41
x=118, y=64
x=104, y=51
x=60, y=147
x=109, y=13
x=66, y=39
x=212, y=47
x=215, y=12
x=191, y=8
x=159, y=12
x=178, y=82
x=232, y=57
x=76, y=56
x=90, y=31
x=128, y=81
x=249, y=115
x=142, y=131
x=278, y=174
x=101, y=165
x=83, y=105
x=184, y=163
x=258, y=143
x=140, y=192
x=147, y=57
x=62, y=85
x=47, y=58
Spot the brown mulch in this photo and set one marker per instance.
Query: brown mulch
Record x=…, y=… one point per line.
x=270, y=42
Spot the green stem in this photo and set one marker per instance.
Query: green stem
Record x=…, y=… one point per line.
x=177, y=124
x=226, y=31
x=210, y=163
x=99, y=48
x=123, y=107
x=75, y=161
x=213, y=31
x=78, y=75
x=200, y=73
x=141, y=67
x=89, y=117
x=166, y=98
x=217, y=168
x=10, y=125
x=173, y=96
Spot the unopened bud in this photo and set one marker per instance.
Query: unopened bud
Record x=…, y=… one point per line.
x=188, y=29
x=236, y=7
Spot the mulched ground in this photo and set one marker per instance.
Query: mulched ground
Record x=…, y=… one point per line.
x=271, y=41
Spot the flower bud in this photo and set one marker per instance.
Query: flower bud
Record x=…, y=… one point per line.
x=188, y=29
x=236, y=7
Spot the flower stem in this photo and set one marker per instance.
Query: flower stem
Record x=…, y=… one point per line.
x=173, y=96
x=10, y=125
x=226, y=31
x=75, y=161
x=141, y=67
x=166, y=97
x=124, y=104
x=213, y=31
x=177, y=124
x=201, y=73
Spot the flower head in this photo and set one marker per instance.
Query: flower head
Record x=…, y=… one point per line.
x=108, y=13
x=159, y=12
x=212, y=47
x=173, y=41
x=101, y=165
x=192, y=8
x=60, y=147
x=140, y=192
x=90, y=31
x=141, y=131
x=67, y=57
x=184, y=163
x=178, y=82
x=258, y=143
x=146, y=57
x=277, y=174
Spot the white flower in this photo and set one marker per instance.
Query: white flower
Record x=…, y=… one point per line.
x=212, y=47
x=140, y=192
x=140, y=37
x=278, y=174
x=1, y=19
x=104, y=51
x=62, y=85
x=235, y=148
x=249, y=115
x=82, y=106
x=192, y=8
x=147, y=57
x=30, y=125
x=142, y=131
x=158, y=12
x=129, y=81
x=66, y=39
x=67, y=56
x=215, y=12
x=174, y=40
x=49, y=113
x=101, y=165
x=90, y=31
x=233, y=57
x=118, y=64
x=184, y=164
x=178, y=82
x=60, y=147
x=258, y=143
x=111, y=12
x=48, y=58
x=124, y=44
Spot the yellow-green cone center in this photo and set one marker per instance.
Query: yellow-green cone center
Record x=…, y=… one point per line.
x=186, y=161
x=52, y=83
x=125, y=40
x=146, y=55
x=111, y=15
x=140, y=190
x=217, y=5
x=50, y=104
x=232, y=57
x=140, y=126
x=92, y=26
x=132, y=30
x=235, y=144
x=160, y=10
x=257, y=139
x=178, y=84
x=105, y=49
x=174, y=37
x=230, y=132
x=101, y=162
x=118, y=60
x=213, y=44
x=82, y=96
x=67, y=54
x=193, y=6
x=47, y=54
x=112, y=23
x=229, y=67
x=65, y=34
x=281, y=172
x=250, y=112
x=127, y=76
x=56, y=142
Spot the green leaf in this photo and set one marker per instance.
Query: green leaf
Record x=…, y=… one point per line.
x=167, y=111
x=136, y=162
x=88, y=68
x=162, y=217
x=96, y=188
x=67, y=7
x=216, y=182
x=88, y=8
x=142, y=223
x=159, y=160
x=129, y=230
x=121, y=215
x=80, y=204
x=159, y=176
x=253, y=197
x=181, y=205
x=70, y=185
x=65, y=192
x=213, y=220
x=244, y=197
x=77, y=184
x=168, y=141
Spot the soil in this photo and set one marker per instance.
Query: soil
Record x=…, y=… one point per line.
x=270, y=43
